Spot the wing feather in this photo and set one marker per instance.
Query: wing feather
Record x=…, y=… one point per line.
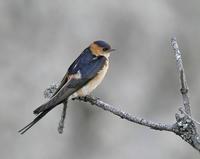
x=74, y=83
x=83, y=59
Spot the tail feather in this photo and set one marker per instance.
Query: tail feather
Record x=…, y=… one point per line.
x=40, y=109
x=46, y=107
x=40, y=116
x=49, y=105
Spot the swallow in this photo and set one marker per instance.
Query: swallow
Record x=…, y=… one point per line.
x=82, y=77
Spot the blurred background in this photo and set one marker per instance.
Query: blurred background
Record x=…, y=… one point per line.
x=39, y=39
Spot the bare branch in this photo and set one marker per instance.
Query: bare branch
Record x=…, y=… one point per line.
x=184, y=86
x=62, y=120
x=97, y=102
x=113, y=109
x=48, y=94
x=183, y=127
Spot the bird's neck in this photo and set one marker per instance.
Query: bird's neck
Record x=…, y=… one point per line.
x=106, y=55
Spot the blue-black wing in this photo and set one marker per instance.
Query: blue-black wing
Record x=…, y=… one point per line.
x=86, y=72
x=84, y=59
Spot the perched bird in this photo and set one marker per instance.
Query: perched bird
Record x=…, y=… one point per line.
x=82, y=77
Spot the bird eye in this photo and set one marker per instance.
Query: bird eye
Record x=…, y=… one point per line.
x=105, y=49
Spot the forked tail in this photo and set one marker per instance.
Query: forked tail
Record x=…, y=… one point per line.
x=40, y=116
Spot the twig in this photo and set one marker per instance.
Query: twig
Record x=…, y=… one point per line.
x=184, y=86
x=185, y=126
x=48, y=94
x=97, y=102
x=113, y=109
x=62, y=120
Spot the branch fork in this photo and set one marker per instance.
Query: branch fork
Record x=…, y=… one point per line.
x=184, y=126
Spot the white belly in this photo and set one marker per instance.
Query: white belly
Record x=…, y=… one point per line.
x=91, y=85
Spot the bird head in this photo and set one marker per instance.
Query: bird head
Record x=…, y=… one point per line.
x=101, y=48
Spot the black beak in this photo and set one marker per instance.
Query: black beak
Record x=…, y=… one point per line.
x=111, y=50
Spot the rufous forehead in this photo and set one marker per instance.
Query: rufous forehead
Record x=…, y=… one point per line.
x=95, y=49
x=95, y=46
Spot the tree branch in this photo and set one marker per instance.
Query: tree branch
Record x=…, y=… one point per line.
x=184, y=125
x=97, y=102
x=184, y=86
x=62, y=120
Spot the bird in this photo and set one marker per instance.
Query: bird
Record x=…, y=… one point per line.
x=82, y=77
